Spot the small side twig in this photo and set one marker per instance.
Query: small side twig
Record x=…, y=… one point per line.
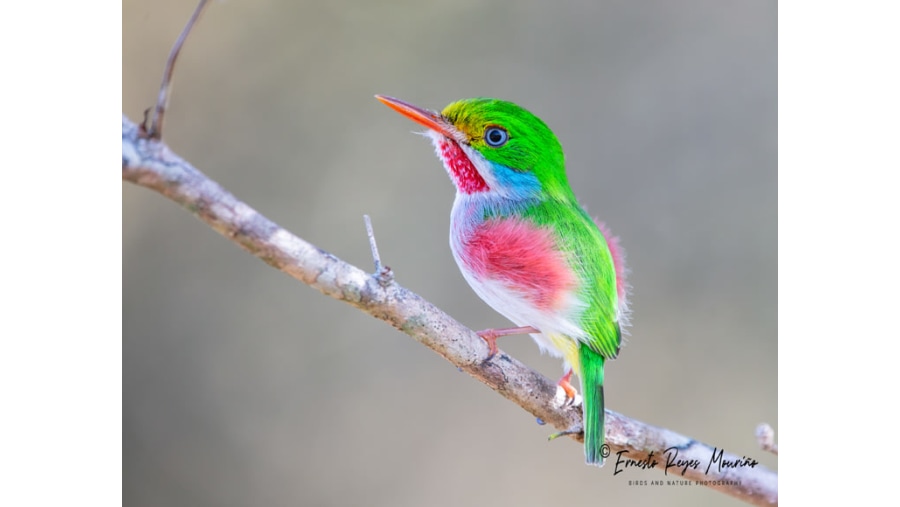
x=154, y=130
x=383, y=273
x=765, y=435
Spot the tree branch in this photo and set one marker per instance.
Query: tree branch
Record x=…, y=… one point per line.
x=148, y=162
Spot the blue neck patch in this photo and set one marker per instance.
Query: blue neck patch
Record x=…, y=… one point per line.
x=516, y=185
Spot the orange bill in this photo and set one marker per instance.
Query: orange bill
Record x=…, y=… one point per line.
x=430, y=119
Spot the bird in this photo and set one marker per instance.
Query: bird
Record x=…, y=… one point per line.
x=527, y=247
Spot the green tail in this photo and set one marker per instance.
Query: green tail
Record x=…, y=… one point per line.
x=594, y=412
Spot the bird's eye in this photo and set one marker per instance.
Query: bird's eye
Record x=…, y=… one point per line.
x=495, y=136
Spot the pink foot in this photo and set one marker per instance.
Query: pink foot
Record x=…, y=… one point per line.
x=491, y=335
x=567, y=387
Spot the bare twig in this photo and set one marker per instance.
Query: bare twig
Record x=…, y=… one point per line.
x=151, y=164
x=383, y=273
x=154, y=130
x=765, y=435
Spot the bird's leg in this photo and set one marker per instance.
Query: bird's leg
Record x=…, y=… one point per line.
x=491, y=335
x=567, y=387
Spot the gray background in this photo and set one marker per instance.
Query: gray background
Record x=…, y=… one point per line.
x=244, y=387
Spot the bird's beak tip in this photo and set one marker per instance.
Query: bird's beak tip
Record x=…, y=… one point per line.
x=429, y=119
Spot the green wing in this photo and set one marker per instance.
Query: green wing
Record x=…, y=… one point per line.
x=590, y=257
x=594, y=263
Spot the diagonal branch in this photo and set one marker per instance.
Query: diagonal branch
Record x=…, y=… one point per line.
x=150, y=163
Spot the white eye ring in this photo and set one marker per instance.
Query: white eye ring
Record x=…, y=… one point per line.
x=495, y=136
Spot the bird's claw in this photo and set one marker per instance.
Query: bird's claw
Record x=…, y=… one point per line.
x=490, y=337
x=568, y=389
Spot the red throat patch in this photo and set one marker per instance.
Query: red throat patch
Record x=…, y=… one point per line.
x=466, y=177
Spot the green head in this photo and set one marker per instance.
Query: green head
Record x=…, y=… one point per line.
x=494, y=145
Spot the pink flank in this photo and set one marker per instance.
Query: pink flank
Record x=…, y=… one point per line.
x=523, y=257
x=618, y=258
x=466, y=177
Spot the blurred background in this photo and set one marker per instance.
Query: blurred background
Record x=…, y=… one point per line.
x=245, y=387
